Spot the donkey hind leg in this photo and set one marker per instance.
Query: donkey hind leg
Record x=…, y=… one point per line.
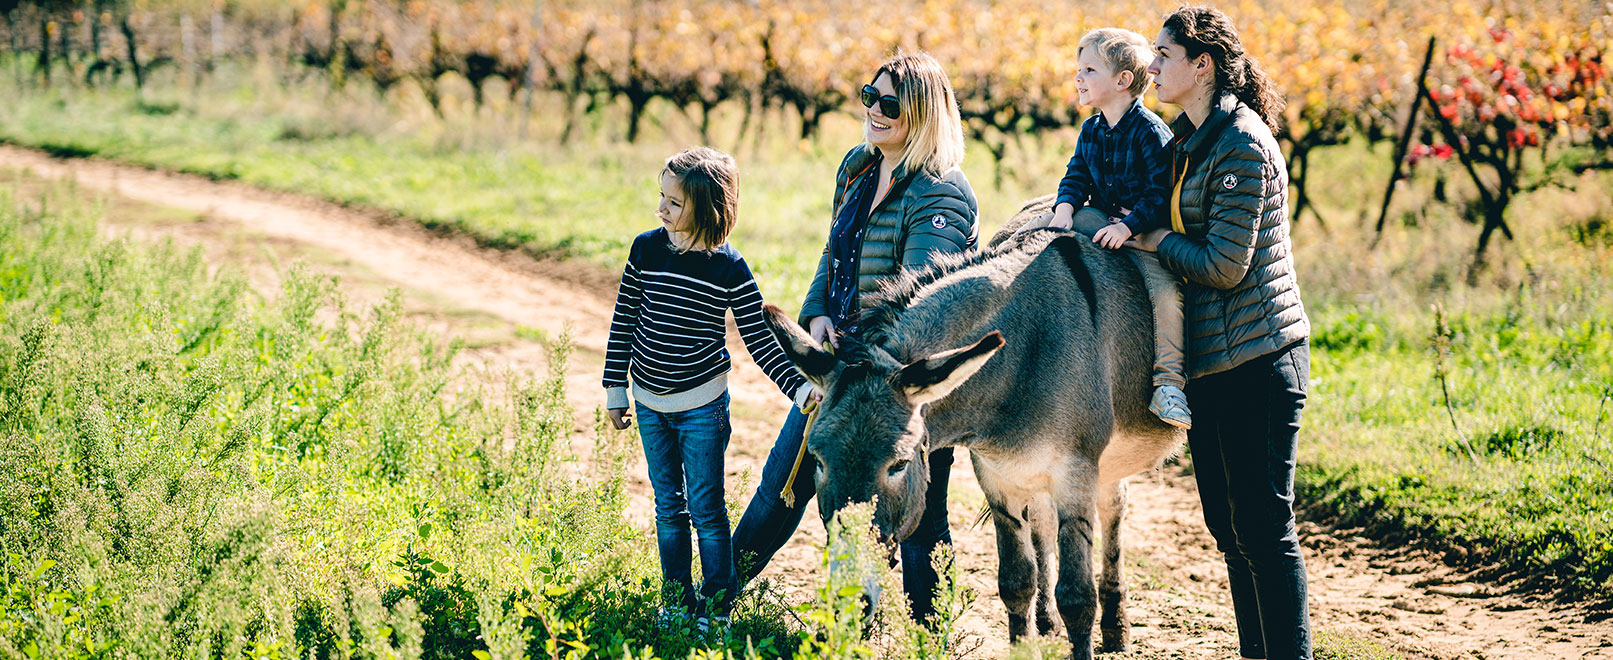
x=1076, y=593
x=1044, y=537
x=1114, y=625
x=1016, y=566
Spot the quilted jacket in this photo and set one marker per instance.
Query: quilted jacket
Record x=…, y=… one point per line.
x=921, y=216
x=1241, y=296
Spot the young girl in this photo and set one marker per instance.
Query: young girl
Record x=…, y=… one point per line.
x=667, y=337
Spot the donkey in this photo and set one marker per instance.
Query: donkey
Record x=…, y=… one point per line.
x=1022, y=356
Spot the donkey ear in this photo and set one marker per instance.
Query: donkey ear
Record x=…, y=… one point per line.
x=936, y=376
x=814, y=362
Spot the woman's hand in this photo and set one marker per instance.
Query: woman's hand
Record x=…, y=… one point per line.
x=1147, y=242
x=1112, y=236
x=822, y=329
x=619, y=418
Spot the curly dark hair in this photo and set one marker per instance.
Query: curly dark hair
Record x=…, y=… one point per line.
x=1207, y=30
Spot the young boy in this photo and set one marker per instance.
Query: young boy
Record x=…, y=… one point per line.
x=1117, y=185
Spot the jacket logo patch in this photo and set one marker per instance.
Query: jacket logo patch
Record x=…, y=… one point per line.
x=938, y=221
x=1230, y=182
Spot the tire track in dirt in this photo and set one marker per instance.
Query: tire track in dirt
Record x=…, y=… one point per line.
x=1403, y=601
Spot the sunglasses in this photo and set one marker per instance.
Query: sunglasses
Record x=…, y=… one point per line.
x=888, y=105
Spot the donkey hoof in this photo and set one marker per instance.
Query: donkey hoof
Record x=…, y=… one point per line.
x=1115, y=640
x=1048, y=628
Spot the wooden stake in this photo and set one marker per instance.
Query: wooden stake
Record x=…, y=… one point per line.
x=1405, y=138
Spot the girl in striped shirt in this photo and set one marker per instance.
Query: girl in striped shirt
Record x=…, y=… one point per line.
x=667, y=339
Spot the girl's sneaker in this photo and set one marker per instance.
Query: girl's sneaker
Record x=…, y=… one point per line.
x=674, y=618
x=1170, y=403
x=713, y=626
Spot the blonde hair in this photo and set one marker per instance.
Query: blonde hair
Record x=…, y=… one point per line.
x=935, y=131
x=1122, y=50
x=710, y=184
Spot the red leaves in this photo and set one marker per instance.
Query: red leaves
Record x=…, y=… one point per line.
x=1439, y=151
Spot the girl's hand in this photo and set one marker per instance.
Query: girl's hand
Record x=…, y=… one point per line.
x=1148, y=242
x=822, y=329
x=619, y=418
x=812, y=400
x=1112, y=236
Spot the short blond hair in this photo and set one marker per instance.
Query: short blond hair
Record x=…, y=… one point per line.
x=935, y=129
x=1122, y=50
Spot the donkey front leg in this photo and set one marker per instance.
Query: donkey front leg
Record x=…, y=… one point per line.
x=1016, y=566
x=1114, y=625
x=1077, y=595
x=1016, y=512
x=1044, y=536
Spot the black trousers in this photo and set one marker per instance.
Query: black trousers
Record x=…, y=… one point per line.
x=1243, y=440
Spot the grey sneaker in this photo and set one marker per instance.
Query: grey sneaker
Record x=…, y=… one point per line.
x=1170, y=403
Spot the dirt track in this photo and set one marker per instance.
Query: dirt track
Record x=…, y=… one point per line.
x=1400, y=600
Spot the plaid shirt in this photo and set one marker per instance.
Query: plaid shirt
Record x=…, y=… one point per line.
x=1122, y=167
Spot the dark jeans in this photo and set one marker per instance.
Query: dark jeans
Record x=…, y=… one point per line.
x=684, y=451
x=1243, y=440
x=767, y=524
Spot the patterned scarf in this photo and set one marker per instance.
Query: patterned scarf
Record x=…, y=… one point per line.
x=846, y=242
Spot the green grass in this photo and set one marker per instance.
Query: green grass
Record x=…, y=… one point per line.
x=192, y=469
x=1521, y=479
x=1527, y=360
x=196, y=470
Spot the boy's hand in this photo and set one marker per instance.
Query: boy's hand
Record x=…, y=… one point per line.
x=619, y=418
x=1063, y=217
x=1112, y=236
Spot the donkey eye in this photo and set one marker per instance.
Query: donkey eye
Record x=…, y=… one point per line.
x=897, y=467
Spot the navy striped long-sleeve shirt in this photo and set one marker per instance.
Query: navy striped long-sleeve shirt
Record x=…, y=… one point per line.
x=668, y=331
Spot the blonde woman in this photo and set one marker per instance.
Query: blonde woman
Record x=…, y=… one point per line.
x=899, y=200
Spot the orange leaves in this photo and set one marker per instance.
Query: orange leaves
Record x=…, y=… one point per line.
x=1342, y=65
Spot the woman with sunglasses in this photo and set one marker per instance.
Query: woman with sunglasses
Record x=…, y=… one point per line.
x=899, y=200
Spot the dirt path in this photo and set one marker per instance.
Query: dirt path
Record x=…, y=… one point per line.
x=504, y=305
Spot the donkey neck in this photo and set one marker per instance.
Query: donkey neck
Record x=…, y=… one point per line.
x=956, y=310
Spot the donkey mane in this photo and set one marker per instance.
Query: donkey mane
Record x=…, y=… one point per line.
x=881, y=312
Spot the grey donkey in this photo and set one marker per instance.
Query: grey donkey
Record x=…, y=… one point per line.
x=1036, y=355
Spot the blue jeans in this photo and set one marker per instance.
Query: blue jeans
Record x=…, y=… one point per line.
x=1244, y=443
x=684, y=451
x=767, y=523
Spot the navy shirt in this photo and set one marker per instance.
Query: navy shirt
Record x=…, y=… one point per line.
x=1125, y=166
